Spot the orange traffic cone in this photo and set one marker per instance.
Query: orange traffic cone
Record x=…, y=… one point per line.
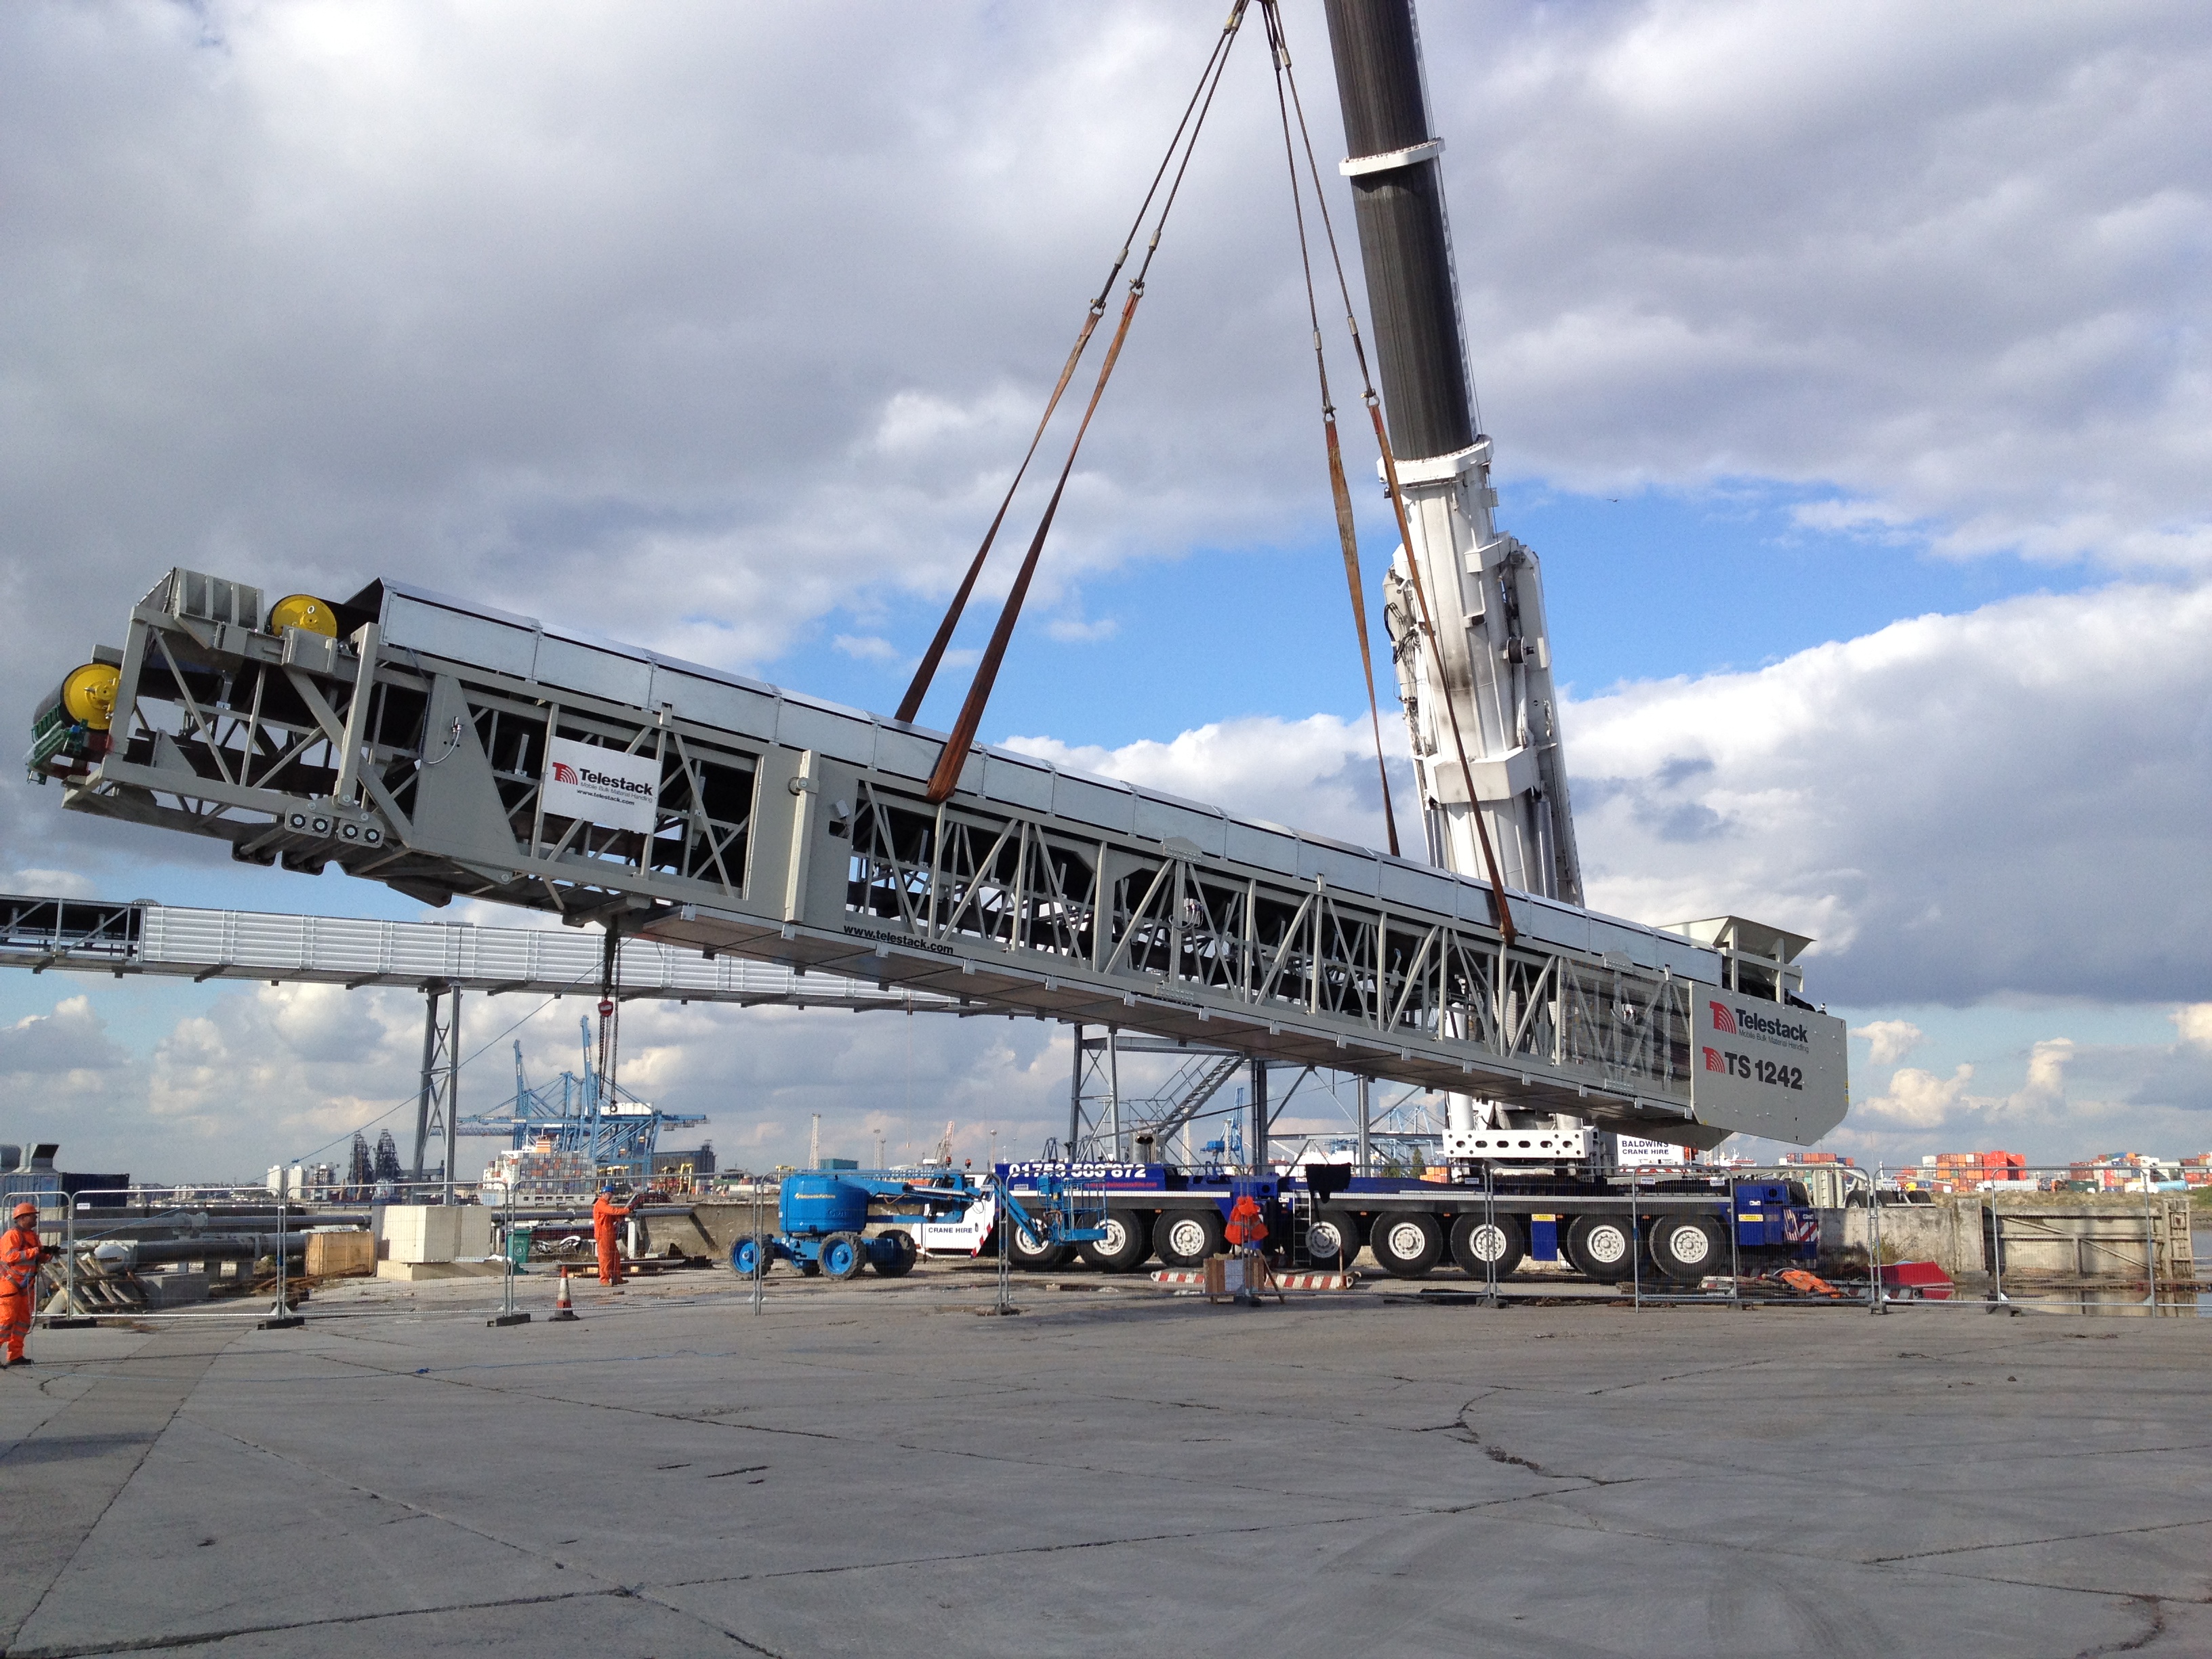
x=563, y=1309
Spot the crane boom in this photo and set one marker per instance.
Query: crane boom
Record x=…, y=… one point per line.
x=1491, y=652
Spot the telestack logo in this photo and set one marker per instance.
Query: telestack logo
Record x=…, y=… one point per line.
x=584, y=777
x=1747, y=1023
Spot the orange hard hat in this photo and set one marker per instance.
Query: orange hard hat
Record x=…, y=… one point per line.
x=26, y=1208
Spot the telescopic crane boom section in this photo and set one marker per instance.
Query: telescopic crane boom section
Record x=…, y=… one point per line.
x=1475, y=662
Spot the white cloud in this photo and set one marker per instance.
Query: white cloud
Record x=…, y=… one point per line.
x=1889, y=1040
x=1916, y=1099
x=1948, y=260
x=1920, y=1100
x=68, y=1050
x=866, y=648
x=56, y=883
x=2194, y=1022
x=2011, y=799
x=1317, y=773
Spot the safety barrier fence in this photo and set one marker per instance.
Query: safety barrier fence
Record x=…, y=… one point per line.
x=2100, y=1239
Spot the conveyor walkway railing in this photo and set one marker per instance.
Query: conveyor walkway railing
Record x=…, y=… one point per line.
x=143, y=937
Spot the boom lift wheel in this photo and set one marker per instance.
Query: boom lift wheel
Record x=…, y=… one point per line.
x=1482, y=1247
x=1332, y=1238
x=1185, y=1238
x=1686, y=1248
x=898, y=1254
x=1128, y=1240
x=842, y=1255
x=1602, y=1247
x=1407, y=1245
x=1032, y=1255
x=749, y=1252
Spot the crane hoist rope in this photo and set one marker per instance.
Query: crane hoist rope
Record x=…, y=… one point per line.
x=1285, y=75
x=947, y=777
x=909, y=708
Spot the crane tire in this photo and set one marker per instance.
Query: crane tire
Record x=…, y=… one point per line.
x=1127, y=1244
x=1333, y=1239
x=1035, y=1256
x=1184, y=1238
x=1686, y=1248
x=1484, y=1247
x=1406, y=1245
x=1602, y=1248
x=843, y=1256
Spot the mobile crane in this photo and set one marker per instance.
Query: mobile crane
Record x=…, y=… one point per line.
x=449, y=749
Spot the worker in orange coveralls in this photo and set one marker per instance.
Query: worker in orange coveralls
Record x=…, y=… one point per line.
x=604, y=1213
x=20, y=1255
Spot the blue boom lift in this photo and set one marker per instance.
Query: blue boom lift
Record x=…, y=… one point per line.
x=822, y=1219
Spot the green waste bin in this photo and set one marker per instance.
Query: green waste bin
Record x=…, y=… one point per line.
x=518, y=1246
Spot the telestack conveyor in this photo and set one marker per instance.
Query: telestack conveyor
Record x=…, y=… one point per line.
x=446, y=748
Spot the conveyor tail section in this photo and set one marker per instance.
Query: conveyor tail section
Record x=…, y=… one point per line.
x=425, y=747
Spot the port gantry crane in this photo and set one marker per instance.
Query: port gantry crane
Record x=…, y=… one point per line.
x=448, y=748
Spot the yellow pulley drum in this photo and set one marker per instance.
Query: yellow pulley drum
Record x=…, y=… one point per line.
x=88, y=694
x=303, y=611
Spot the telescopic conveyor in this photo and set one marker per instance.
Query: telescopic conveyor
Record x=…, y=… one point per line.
x=447, y=749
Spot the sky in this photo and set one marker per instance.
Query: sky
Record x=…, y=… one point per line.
x=1846, y=367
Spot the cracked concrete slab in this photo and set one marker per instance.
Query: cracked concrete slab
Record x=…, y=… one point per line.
x=875, y=1470
x=62, y=1477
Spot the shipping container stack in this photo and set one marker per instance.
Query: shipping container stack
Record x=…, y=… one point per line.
x=1965, y=1172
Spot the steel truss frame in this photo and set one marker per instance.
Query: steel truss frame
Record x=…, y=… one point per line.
x=956, y=875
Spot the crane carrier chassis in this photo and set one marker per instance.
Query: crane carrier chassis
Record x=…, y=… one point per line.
x=1612, y=1229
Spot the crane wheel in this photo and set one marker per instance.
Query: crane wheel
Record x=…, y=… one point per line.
x=1485, y=1247
x=1603, y=1248
x=1128, y=1243
x=1035, y=1256
x=1333, y=1239
x=1184, y=1238
x=843, y=1254
x=1686, y=1248
x=1407, y=1245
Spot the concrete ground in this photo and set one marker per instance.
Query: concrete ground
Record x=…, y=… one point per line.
x=874, y=1469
